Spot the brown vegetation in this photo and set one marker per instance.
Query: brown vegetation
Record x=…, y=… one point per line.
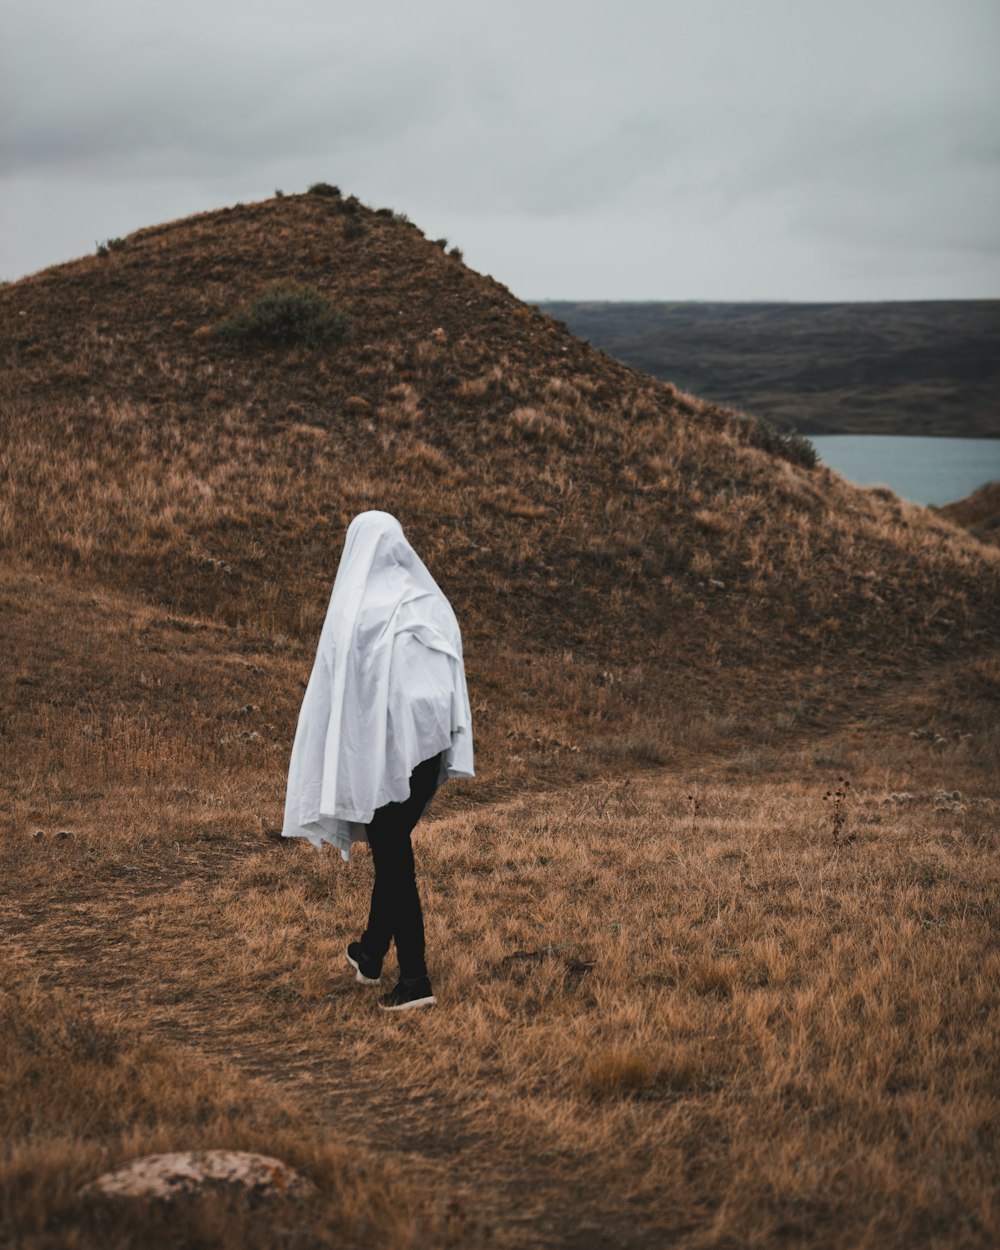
x=979, y=513
x=678, y=1003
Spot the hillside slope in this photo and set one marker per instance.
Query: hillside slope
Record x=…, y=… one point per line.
x=632, y=574
x=978, y=512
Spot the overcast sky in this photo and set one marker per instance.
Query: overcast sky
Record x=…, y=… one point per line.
x=643, y=149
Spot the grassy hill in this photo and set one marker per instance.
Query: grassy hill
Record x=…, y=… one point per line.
x=665, y=935
x=610, y=543
x=978, y=512
x=901, y=367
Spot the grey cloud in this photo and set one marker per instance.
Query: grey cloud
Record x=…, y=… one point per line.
x=523, y=167
x=201, y=113
x=794, y=130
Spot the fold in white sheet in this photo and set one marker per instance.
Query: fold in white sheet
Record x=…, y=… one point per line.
x=387, y=690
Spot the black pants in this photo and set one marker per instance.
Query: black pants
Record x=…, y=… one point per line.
x=395, y=909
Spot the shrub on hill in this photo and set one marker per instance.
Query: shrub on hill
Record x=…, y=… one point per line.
x=759, y=432
x=323, y=188
x=284, y=314
x=799, y=449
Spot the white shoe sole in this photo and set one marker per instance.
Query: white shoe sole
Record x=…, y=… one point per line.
x=361, y=978
x=417, y=1002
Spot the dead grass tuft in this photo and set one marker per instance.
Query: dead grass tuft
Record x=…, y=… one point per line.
x=541, y=425
x=619, y=1071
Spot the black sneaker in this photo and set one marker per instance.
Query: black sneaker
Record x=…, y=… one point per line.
x=412, y=992
x=369, y=969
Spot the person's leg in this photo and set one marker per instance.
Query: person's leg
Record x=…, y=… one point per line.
x=395, y=873
x=395, y=909
x=377, y=937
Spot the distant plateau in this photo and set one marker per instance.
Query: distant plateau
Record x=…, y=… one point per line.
x=929, y=367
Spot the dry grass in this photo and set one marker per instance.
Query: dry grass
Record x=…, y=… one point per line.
x=84, y=1089
x=980, y=512
x=779, y=585
x=149, y=456
x=676, y=1003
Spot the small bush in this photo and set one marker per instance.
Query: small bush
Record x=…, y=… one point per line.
x=68, y=1035
x=324, y=188
x=109, y=245
x=759, y=432
x=457, y=253
x=801, y=449
x=285, y=314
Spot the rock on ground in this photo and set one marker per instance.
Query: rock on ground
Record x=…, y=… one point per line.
x=192, y=1171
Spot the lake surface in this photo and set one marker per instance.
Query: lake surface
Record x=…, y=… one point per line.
x=923, y=470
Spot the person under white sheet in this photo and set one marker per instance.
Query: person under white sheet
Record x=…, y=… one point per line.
x=384, y=721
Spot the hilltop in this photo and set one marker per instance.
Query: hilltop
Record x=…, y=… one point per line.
x=632, y=573
x=928, y=367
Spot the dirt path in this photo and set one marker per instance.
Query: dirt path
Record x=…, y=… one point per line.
x=71, y=937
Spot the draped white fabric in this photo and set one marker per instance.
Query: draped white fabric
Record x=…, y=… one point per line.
x=387, y=690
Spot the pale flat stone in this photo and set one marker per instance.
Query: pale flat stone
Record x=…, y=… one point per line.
x=192, y=1171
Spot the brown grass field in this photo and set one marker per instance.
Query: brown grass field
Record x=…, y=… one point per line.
x=713, y=931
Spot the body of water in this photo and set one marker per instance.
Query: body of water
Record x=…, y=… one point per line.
x=923, y=470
